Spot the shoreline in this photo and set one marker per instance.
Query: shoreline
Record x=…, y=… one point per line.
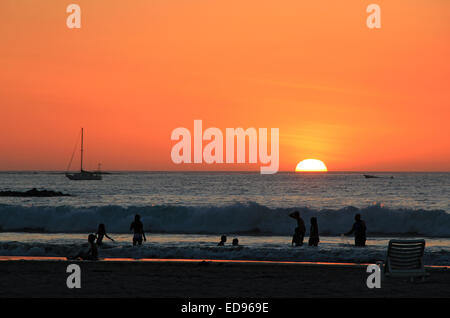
x=162, y=278
x=194, y=260
x=374, y=235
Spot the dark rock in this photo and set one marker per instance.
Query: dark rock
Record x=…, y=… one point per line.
x=33, y=193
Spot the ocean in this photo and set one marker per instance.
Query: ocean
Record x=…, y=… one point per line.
x=184, y=214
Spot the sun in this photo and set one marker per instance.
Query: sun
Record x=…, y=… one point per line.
x=311, y=165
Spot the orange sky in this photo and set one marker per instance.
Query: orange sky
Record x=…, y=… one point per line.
x=356, y=98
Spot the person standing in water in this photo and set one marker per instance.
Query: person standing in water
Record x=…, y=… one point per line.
x=297, y=239
x=101, y=232
x=138, y=229
x=359, y=228
x=300, y=231
x=314, y=233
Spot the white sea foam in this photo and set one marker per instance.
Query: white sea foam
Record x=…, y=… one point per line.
x=326, y=252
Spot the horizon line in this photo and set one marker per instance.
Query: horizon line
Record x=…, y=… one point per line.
x=241, y=171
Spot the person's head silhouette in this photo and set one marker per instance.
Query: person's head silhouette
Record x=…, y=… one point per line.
x=91, y=238
x=223, y=239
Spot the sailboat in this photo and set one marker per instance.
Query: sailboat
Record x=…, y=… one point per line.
x=83, y=174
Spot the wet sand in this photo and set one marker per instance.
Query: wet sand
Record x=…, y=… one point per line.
x=44, y=278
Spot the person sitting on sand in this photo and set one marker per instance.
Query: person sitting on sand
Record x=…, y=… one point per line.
x=101, y=232
x=314, y=233
x=92, y=254
x=223, y=239
x=359, y=228
x=235, y=242
x=300, y=230
x=138, y=228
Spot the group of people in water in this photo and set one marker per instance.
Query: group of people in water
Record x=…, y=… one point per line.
x=223, y=240
x=95, y=240
x=358, y=229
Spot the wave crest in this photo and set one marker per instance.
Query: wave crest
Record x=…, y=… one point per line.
x=247, y=218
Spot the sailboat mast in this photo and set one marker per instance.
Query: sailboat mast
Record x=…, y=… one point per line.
x=81, y=149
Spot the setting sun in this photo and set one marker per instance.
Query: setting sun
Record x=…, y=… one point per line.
x=311, y=165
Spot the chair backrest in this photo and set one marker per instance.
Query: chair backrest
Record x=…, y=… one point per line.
x=405, y=254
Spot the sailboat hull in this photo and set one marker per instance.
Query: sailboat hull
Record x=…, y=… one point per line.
x=84, y=175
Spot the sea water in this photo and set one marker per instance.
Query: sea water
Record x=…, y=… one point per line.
x=184, y=213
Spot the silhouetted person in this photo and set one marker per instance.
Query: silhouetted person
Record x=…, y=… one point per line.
x=92, y=253
x=297, y=238
x=235, y=242
x=359, y=228
x=138, y=229
x=101, y=232
x=223, y=239
x=300, y=230
x=314, y=233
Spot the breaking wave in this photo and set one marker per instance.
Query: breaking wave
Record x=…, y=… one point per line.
x=248, y=218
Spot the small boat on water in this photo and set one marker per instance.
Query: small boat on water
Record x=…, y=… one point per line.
x=368, y=176
x=83, y=174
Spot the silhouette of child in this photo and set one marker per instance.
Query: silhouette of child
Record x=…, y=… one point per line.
x=101, y=232
x=300, y=229
x=92, y=254
x=314, y=233
x=297, y=238
x=223, y=239
x=138, y=228
x=235, y=242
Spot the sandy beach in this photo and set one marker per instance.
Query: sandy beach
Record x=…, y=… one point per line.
x=43, y=278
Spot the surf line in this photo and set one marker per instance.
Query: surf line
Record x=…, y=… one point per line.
x=195, y=260
x=213, y=152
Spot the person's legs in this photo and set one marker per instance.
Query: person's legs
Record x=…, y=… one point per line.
x=137, y=238
x=79, y=255
x=88, y=258
x=360, y=241
x=301, y=237
x=84, y=256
